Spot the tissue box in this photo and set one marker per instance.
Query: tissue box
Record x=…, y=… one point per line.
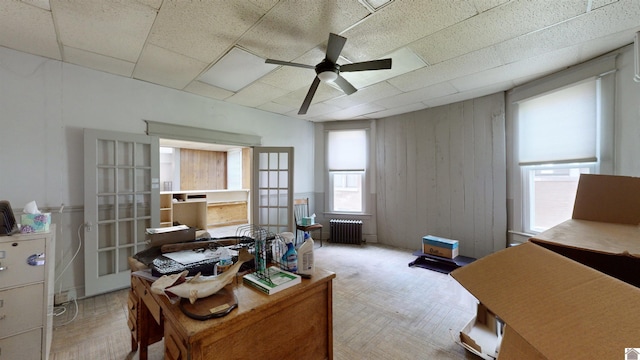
x=308, y=220
x=31, y=223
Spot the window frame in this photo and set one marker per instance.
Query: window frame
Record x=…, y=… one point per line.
x=603, y=69
x=367, y=127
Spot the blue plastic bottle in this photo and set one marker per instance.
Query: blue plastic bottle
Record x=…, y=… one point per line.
x=290, y=258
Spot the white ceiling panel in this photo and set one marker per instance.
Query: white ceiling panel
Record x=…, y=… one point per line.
x=442, y=50
x=471, y=63
x=493, y=27
x=418, y=95
x=200, y=88
x=29, y=29
x=256, y=94
x=98, y=62
x=164, y=67
x=116, y=29
x=396, y=25
x=305, y=24
x=369, y=94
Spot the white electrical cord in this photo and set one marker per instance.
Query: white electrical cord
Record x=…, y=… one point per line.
x=75, y=315
x=74, y=255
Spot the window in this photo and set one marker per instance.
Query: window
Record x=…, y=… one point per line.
x=551, y=191
x=347, y=164
x=557, y=133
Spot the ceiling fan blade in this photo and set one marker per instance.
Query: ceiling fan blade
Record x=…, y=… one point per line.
x=307, y=99
x=345, y=85
x=367, y=65
x=286, y=63
x=334, y=47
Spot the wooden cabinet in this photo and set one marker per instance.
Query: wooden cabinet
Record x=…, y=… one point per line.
x=26, y=295
x=204, y=209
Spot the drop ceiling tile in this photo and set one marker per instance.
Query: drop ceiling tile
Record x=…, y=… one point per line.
x=537, y=66
x=597, y=23
x=600, y=3
x=355, y=111
x=314, y=110
x=294, y=27
x=599, y=46
x=403, y=61
x=256, y=94
x=43, y=4
x=476, y=61
x=366, y=95
x=397, y=111
x=484, y=5
x=113, y=28
x=161, y=66
x=28, y=29
x=399, y=23
x=200, y=88
x=203, y=30
x=476, y=93
x=495, y=26
x=98, y=62
x=289, y=78
x=418, y=95
x=295, y=98
x=277, y=108
x=265, y=5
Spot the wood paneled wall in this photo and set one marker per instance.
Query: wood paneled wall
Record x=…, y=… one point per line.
x=442, y=172
x=203, y=170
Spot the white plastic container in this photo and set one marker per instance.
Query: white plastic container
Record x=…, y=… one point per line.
x=306, y=266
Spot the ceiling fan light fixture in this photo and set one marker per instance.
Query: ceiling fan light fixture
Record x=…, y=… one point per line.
x=328, y=76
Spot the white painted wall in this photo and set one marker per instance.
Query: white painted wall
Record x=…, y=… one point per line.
x=44, y=106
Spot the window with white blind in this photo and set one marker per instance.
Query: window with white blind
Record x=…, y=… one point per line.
x=347, y=164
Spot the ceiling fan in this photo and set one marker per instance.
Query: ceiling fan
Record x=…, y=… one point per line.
x=328, y=71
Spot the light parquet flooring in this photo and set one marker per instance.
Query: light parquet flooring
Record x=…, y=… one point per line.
x=382, y=309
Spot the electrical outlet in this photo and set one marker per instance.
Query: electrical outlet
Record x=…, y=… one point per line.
x=64, y=297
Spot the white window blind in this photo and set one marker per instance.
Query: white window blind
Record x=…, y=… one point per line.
x=347, y=150
x=559, y=127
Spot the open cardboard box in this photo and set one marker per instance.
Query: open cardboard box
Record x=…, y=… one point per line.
x=553, y=307
x=553, y=293
x=603, y=232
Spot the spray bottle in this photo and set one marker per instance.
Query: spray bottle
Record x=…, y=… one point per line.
x=290, y=257
x=306, y=266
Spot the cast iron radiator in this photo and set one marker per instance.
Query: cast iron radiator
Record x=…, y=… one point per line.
x=345, y=231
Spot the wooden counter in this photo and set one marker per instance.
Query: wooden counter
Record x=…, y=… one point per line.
x=296, y=323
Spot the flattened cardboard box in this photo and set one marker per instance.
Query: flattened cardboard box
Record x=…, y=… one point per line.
x=603, y=232
x=583, y=314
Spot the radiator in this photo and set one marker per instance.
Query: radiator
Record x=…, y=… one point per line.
x=345, y=231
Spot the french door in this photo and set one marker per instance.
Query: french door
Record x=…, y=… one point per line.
x=121, y=200
x=272, y=188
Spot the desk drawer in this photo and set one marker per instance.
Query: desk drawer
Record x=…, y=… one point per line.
x=21, y=309
x=147, y=297
x=24, y=346
x=174, y=346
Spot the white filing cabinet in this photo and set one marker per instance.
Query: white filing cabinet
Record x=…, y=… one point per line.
x=26, y=295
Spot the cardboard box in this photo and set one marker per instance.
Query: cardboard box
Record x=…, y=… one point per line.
x=552, y=306
x=35, y=223
x=172, y=237
x=438, y=246
x=603, y=232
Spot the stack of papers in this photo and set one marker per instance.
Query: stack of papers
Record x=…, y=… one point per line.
x=280, y=280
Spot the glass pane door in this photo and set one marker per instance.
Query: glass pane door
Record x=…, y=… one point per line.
x=121, y=201
x=272, y=193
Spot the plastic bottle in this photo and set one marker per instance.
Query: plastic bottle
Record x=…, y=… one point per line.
x=290, y=258
x=306, y=266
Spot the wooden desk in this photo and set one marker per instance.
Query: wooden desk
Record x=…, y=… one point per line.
x=296, y=323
